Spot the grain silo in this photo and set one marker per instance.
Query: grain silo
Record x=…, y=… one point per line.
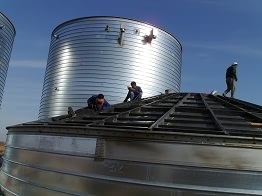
x=93, y=55
x=7, y=35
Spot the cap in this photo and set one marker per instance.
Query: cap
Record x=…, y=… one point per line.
x=235, y=63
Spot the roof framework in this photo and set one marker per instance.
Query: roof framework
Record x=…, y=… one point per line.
x=190, y=117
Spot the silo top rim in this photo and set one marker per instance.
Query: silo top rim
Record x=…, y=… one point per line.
x=116, y=17
x=9, y=22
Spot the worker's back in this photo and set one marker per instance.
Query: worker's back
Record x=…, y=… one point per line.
x=230, y=72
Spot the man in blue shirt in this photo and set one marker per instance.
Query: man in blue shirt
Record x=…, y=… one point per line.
x=98, y=102
x=134, y=92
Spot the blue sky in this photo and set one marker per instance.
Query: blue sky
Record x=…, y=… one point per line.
x=213, y=33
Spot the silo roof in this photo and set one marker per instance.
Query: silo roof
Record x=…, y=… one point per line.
x=183, y=117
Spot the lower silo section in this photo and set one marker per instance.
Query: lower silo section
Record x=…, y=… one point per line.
x=95, y=55
x=7, y=35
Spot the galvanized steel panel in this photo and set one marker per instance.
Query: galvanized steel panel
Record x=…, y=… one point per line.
x=7, y=35
x=85, y=60
x=128, y=168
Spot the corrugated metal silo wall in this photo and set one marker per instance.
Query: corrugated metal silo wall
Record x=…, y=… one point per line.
x=7, y=35
x=85, y=59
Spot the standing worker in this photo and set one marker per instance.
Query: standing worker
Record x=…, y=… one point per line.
x=231, y=78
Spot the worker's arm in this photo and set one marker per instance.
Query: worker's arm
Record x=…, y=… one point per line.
x=136, y=90
x=106, y=105
x=139, y=90
x=90, y=101
x=235, y=72
x=131, y=89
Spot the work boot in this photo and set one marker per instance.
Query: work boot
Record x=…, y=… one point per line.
x=224, y=95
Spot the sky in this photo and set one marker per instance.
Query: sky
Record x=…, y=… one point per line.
x=213, y=34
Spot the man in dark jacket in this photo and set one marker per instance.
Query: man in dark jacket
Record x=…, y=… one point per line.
x=231, y=78
x=98, y=102
x=134, y=92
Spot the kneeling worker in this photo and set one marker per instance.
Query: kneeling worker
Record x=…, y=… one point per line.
x=98, y=102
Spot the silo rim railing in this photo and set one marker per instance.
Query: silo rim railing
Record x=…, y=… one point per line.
x=112, y=17
x=9, y=22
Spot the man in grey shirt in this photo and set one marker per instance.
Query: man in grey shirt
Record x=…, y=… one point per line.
x=134, y=92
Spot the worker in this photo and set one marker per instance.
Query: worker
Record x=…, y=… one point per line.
x=231, y=78
x=71, y=112
x=134, y=92
x=98, y=102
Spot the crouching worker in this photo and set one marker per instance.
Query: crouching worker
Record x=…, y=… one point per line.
x=98, y=102
x=134, y=92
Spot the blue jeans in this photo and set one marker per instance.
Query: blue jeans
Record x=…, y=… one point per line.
x=133, y=96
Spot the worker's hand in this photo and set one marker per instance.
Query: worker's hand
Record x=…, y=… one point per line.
x=91, y=105
x=236, y=80
x=97, y=107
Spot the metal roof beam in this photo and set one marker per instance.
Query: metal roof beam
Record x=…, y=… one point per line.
x=162, y=134
x=251, y=106
x=172, y=110
x=238, y=108
x=126, y=113
x=215, y=119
